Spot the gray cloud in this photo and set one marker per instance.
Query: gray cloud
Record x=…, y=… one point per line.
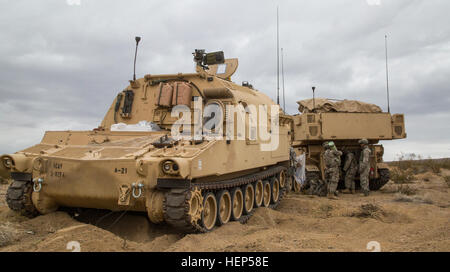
x=61, y=65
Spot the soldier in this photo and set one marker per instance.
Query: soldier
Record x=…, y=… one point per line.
x=316, y=186
x=364, y=166
x=350, y=168
x=332, y=160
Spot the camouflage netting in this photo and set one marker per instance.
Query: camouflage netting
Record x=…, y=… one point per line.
x=325, y=105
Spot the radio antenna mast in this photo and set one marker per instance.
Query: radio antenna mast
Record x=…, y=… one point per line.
x=138, y=39
x=387, y=73
x=282, y=79
x=278, y=62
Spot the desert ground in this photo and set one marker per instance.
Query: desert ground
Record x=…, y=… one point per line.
x=402, y=216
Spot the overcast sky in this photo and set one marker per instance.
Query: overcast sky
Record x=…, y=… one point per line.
x=62, y=62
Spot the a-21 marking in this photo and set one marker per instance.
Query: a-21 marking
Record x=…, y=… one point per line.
x=120, y=170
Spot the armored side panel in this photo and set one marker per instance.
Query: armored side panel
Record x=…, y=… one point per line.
x=348, y=126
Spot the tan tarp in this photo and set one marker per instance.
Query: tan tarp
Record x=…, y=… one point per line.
x=325, y=105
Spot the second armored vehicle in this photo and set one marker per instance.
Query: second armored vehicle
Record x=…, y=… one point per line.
x=344, y=122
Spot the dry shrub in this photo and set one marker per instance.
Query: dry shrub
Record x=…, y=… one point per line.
x=369, y=211
x=410, y=162
x=433, y=165
x=447, y=180
x=399, y=197
x=400, y=176
x=445, y=163
x=406, y=190
x=418, y=165
x=7, y=234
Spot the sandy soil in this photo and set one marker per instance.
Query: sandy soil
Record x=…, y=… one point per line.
x=398, y=222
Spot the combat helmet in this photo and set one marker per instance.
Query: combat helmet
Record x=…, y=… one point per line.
x=363, y=141
x=326, y=145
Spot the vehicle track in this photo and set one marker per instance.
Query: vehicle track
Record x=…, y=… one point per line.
x=177, y=201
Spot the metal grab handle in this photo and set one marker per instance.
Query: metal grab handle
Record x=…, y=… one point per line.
x=139, y=186
x=39, y=182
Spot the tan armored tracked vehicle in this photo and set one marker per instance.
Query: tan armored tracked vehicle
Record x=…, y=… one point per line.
x=344, y=122
x=132, y=162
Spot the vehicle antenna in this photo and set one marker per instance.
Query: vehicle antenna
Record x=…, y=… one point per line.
x=387, y=73
x=278, y=62
x=314, y=99
x=138, y=39
x=282, y=80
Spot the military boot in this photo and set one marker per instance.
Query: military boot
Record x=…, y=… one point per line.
x=332, y=196
x=346, y=191
x=364, y=193
x=352, y=191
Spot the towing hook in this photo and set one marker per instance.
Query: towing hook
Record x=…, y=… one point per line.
x=37, y=184
x=139, y=186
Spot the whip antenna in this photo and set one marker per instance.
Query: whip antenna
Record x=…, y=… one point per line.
x=282, y=79
x=314, y=99
x=387, y=73
x=278, y=62
x=138, y=39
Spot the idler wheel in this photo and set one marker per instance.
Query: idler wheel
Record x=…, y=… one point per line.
x=18, y=198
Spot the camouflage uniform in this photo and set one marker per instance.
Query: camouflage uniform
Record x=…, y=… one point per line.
x=364, y=167
x=350, y=168
x=332, y=160
x=317, y=187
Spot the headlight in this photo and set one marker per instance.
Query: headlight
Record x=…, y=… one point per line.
x=170, y=167
x=8, y=162
x=167, y=166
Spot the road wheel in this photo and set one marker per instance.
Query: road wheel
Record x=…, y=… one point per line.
x=275, y=186
x=282, y=179
x=295, y=186
x=209, y=214
x=267, y=194
x=237, y=200
x=224, y=204
x=259, y=193
x=249, y=198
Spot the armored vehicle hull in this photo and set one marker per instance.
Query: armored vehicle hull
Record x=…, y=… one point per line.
x=192, y=183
